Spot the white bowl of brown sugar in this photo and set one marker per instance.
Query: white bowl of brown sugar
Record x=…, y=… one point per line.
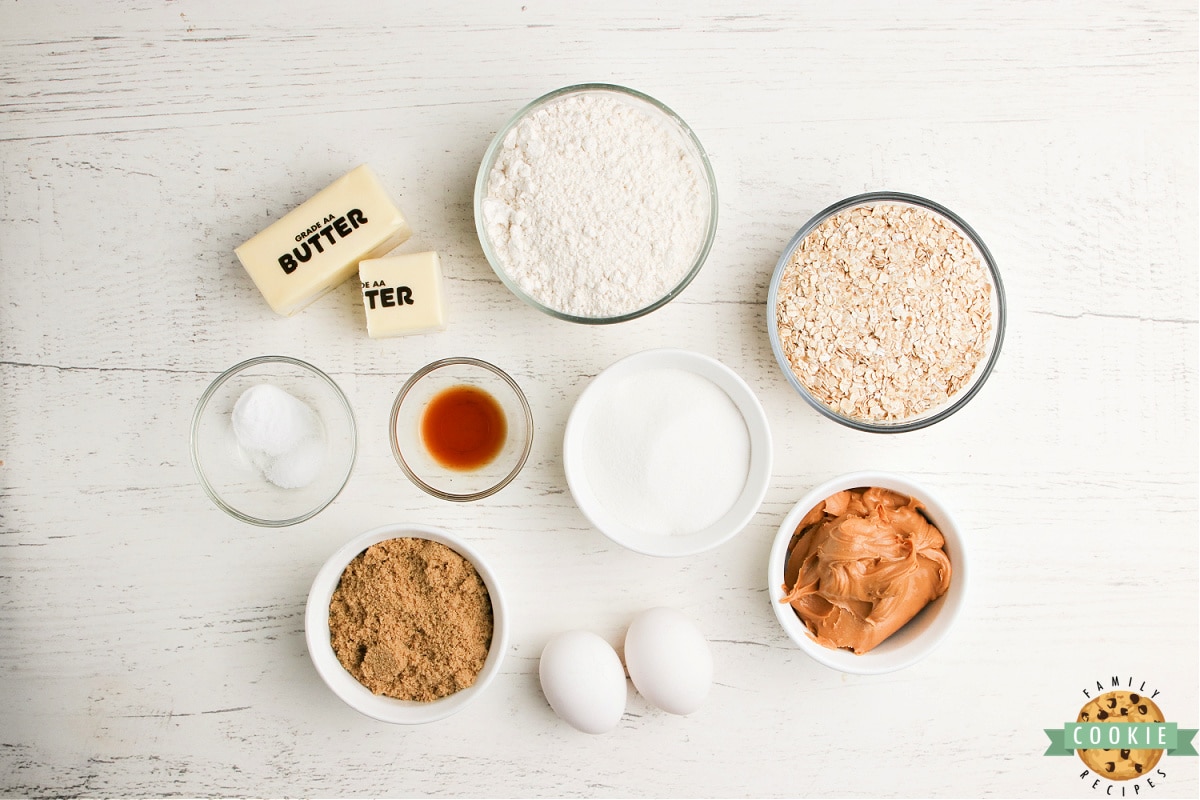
x=886, y=312
x=406, y=624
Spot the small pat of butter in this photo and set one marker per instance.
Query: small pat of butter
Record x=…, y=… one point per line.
x=403, y=294
x=318, y=245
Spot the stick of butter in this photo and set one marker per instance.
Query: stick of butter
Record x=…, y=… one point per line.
x=402, y=294
x=319, y=244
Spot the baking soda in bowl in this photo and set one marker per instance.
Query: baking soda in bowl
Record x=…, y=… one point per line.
x=667, y=452
x=280, y=435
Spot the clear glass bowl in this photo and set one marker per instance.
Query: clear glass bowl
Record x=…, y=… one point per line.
x=685, y=137
x=982, y=370
x=412, y=454
x=226, y=472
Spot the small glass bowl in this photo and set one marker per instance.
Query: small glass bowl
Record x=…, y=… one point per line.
x=460, y=485
x=229, y=478
x=685, y=137
x=982, y=370
x=345, y=685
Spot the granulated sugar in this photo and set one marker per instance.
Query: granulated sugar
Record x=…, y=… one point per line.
x=667, y=452
x=595, y=207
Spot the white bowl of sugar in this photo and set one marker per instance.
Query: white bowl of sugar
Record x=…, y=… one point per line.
x=668, y=453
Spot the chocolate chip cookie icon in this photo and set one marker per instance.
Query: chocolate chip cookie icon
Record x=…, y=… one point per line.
x=1118, y=764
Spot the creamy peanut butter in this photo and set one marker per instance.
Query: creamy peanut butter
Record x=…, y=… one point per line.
x=861, y=564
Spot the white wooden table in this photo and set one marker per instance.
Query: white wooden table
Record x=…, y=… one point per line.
x=149, y=644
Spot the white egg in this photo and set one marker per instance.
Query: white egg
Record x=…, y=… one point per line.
x=583, y=681
x=669, y=660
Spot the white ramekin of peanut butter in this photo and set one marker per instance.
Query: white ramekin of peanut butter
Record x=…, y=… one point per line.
x=868, y=572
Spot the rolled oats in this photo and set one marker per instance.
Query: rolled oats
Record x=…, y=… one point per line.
x=884, y=312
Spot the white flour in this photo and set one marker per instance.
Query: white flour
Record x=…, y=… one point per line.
x=595, y=207
x=667, y=452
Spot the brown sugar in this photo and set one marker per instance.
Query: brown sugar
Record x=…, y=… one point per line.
x=411, y=619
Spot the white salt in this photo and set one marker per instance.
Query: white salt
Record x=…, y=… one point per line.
x=280, y=435
x=297, y=468
x=666, y=452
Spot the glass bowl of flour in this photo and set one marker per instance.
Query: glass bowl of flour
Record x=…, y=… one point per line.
x=596, y=204
x=273, y=441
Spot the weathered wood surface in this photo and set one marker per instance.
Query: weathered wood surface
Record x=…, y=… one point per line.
x=150, y=645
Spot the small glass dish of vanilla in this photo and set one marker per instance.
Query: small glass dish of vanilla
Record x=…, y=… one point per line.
x=461, y=429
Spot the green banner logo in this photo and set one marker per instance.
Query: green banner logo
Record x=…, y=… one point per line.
x=1167, y=736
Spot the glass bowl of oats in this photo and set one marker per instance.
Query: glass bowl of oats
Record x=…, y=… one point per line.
x=886, y=312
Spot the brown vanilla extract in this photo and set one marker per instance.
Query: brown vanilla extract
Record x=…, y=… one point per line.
x=463, y=428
